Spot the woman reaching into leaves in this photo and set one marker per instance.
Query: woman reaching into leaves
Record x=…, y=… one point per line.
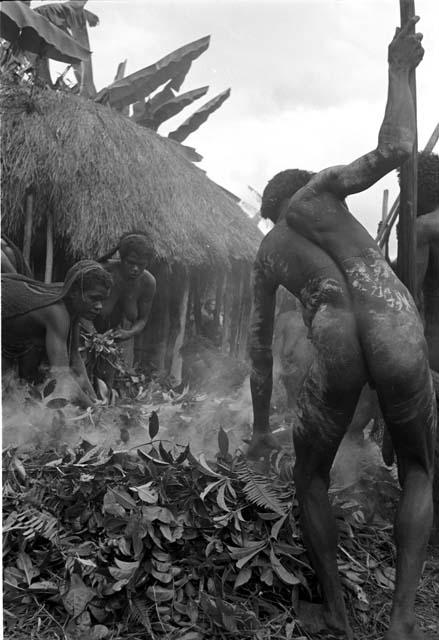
x=41, y=319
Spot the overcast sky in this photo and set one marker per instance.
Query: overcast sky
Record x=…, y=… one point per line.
x=308, y=79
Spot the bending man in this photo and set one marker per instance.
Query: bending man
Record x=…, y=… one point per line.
x=365, y=328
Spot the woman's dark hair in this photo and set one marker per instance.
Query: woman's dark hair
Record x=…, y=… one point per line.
x=86, y=274
x=428, y=182
x=131, y=242
x=283, y=185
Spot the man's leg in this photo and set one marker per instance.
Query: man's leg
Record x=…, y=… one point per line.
x=324, y=420
x=413, y=439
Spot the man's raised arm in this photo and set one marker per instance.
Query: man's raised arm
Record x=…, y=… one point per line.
x=397, y=133
x=261, y=377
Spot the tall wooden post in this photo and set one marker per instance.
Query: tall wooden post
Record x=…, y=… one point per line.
x=406, y=263
x=384, y=212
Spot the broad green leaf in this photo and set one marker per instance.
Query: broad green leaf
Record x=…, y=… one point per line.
x=151, y=513
x=159, y=594
x=137, y=85
x=199, y=117
x=49, y=388
x=166, y=578
x=57, y=403
x=123, y=498
x=176, y=104
x=86, y=562
x=209, y=488
x=285, y=575
x=161, y=566
x=223, y=442
x=202, y=461
x=147, y=493
x=243, y=577
x=146, y=456
x=24, y=563
x=153, y=425
x=220, y=498
x=45, y=586
x=78, y=596
x=277, y=527
x=267, y=575
x=99, y=632
x=111, y=506
x=123, y=570
x=244, y=554
x=161, y=555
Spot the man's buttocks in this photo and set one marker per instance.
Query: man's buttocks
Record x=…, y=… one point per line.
x=374, y=285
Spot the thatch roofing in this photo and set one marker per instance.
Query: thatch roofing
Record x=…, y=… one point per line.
x=102, y=175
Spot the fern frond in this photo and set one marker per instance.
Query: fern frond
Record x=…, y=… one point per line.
x=139, y=612
x=260, y=490
x=32, y=522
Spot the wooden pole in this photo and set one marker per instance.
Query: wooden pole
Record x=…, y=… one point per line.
x=406, y=263
x=384, y=211
x=49, y=248
x=27, y=236
x=385, y=204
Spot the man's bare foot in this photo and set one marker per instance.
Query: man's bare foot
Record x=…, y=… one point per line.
x=404, y=631
x=261, y=444
x=337, y=628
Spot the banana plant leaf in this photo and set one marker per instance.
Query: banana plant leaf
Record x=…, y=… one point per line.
x=67, y=15
x=120, y=70
x=143, y=110
x=188, y=152
x=176, y=104
x=32, y=32
x=196, y=119
x=73, y=18
x=136, y=86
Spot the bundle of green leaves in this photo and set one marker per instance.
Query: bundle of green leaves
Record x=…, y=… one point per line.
x=180, y=546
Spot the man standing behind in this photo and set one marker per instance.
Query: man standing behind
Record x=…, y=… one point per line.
x=364, y=327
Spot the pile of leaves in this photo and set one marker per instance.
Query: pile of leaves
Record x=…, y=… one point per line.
x=173, y=546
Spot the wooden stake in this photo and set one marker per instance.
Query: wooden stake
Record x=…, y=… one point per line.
x=384, y=211
x=49, y=248
x=406, y=263
x=27, y=236
x=385, y=205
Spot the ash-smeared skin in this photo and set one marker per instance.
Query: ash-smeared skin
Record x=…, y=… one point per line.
x=365, y=328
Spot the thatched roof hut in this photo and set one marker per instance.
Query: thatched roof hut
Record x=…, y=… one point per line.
x=101, y=175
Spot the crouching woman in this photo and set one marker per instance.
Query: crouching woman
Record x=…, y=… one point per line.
x=42, y=320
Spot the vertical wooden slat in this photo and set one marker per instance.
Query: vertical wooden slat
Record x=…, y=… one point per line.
x=49, y=248
x=28, y=223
